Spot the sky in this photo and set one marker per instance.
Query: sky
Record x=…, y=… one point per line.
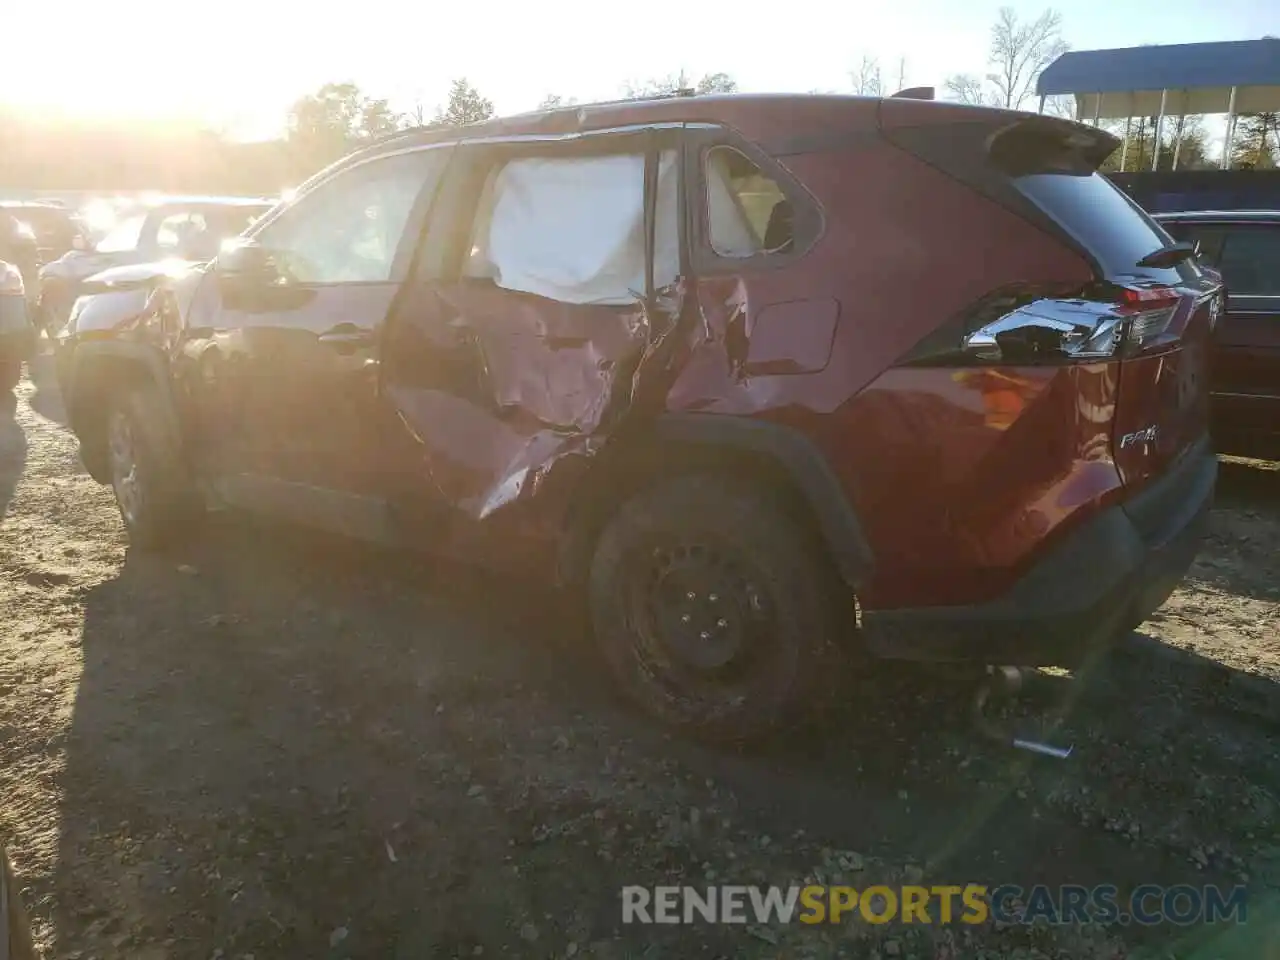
x=237, y=65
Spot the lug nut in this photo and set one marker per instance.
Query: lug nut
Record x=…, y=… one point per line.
x=722, y=623
x=705, y=635
x=686, y=618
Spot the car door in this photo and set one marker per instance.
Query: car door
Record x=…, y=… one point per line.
x=772, y=313
x=282, y=370
x=534, y=319
x=1247, y=356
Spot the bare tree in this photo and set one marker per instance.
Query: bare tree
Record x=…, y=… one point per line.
x=1020, y=50
x=966, y=88
x=867, y=81
x=417, y=115
x=673, y=83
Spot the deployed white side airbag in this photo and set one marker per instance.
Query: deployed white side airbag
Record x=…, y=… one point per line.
x=572, y=229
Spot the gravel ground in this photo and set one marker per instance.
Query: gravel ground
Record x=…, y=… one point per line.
x=271, y=744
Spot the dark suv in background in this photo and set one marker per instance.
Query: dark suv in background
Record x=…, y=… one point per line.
x=764, y=377
x=1245, y=246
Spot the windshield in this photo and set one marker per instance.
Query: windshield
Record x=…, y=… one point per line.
x=124, y=236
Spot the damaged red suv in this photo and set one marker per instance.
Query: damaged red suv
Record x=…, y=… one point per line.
x=765, y=378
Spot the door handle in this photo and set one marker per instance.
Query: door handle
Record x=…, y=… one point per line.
x=347, y=337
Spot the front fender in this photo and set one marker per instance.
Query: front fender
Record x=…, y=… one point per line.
x=95, y=373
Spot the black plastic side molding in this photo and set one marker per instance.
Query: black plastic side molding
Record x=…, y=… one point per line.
x=803, y=464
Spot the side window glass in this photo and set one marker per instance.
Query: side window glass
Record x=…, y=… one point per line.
x=349, y=229
x=1251, y=261
x=747, y=212
x=124, y=236
x=177, y=230
x=1209, y=237
x=572, y=229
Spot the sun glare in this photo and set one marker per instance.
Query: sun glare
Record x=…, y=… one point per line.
x=99, y=215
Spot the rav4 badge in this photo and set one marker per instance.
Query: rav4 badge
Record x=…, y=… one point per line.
x=1147, y=434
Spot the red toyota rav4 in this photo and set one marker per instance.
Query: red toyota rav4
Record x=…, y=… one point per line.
x=763, y=376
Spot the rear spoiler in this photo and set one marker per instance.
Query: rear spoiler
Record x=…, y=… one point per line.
x=1040, y=144
x=915, y=93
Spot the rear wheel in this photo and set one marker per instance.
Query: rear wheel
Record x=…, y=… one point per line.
x=156, y=500
x=715, y=609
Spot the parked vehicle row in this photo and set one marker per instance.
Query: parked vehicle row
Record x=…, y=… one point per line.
x=189, y=228
x=1245, y=246
x=54, y=259
x=762, y=378
x=17, y=336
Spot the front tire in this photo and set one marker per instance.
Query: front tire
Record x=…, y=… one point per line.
x=716, y=610
x=151, y=486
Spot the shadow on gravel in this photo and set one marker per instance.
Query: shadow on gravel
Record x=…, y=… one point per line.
x=289, y=746
x=1239, y=556
x=13, y=450
x=46, y=400
x=1249, y=482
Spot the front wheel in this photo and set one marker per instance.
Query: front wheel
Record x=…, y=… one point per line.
x=151, y=487
x=716, y=610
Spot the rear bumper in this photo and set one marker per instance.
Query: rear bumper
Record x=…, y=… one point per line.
x=1107, y=577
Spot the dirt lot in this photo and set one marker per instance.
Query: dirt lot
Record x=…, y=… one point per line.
x=276, y=745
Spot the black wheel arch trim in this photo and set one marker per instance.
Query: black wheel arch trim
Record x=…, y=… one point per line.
x=143, y=355
x=799, y=460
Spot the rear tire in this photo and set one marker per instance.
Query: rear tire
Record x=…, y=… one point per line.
x=716, y=611
x=10, y=374
x=156, y=499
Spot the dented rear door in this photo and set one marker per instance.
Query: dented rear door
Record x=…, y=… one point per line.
x=535, y=318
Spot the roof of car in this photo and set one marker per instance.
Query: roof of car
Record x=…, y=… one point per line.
x=32, y=205
x=1220, y=216
x=754, y=115
x=776, y=122
x=205, y=201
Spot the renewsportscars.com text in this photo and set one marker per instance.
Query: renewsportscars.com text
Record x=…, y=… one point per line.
x=1146, y=904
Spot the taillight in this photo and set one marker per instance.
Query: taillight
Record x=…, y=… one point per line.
x=1048, y=331
x=1057, y=330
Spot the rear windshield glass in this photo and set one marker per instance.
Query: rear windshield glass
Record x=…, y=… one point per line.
x=1103, y=220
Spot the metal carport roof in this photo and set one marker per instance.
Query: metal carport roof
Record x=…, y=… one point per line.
x=1191, y=78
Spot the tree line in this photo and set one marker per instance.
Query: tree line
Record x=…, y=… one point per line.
x=319, y=128
x=338, y=117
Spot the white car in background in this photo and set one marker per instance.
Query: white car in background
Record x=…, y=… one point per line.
x=172, y=228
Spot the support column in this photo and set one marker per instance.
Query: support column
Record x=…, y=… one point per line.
x=1231, y=130
x=1155, y=151
x=1097, y=108
x=1124, y=148
x=1042, y=99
